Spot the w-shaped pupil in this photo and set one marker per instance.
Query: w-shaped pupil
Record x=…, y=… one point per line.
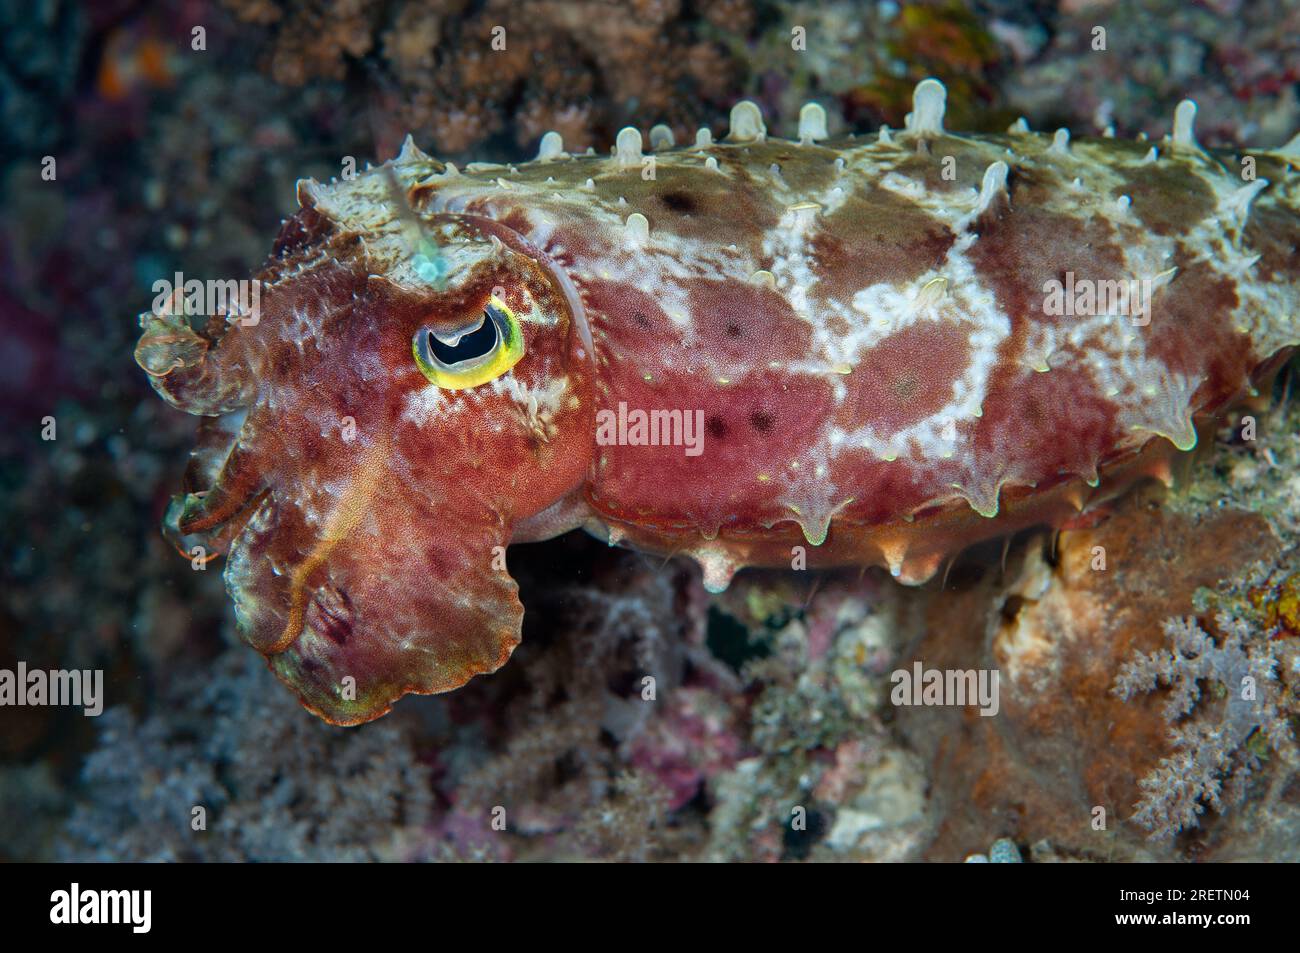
x=472, y=345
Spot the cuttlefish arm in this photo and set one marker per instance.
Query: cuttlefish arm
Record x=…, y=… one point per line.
x=199, y=373
x=381, y=594
x=221, y=494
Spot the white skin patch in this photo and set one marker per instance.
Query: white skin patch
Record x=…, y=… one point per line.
x=538, y=406
x=809, y=494
x=1163, y=406
x=787, y=246
x=426, y=405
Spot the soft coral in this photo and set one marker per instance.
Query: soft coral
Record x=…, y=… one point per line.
x=1212, y=760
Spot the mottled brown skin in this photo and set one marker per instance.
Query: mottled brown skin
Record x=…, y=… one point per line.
x=862, y=327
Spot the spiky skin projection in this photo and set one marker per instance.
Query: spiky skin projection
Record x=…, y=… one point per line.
x=865, y=325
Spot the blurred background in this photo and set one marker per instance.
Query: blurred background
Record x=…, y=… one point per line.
x=178, y=129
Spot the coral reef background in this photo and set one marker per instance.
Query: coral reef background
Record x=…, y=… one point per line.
x=772, y=701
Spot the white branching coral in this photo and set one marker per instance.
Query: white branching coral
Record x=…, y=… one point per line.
x=1213, y=757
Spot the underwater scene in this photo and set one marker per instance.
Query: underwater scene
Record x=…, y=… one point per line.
x=650, y=431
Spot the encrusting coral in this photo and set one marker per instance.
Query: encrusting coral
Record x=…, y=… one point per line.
x=460, y=73
x=313, y=38
x=269, y=784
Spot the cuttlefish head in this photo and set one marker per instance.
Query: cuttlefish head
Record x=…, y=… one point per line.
x=394, y=409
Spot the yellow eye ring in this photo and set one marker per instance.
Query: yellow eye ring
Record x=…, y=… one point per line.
x=473, y=355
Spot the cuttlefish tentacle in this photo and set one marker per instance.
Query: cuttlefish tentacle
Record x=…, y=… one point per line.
x=201, y=524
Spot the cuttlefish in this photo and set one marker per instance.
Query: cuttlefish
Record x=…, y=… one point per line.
x=874, y=351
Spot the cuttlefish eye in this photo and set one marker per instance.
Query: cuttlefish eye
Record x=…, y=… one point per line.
x=471, y=355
